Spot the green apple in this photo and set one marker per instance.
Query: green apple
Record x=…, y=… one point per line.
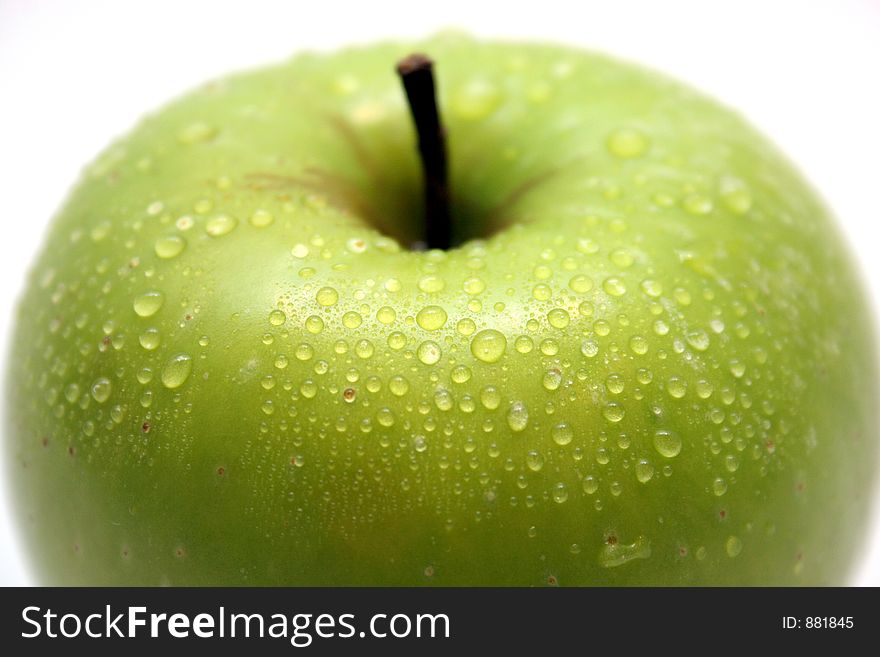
x=645, y=360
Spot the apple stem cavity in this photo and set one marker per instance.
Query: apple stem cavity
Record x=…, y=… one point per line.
x=416, y=73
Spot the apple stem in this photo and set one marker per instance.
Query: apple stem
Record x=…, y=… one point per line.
x=418, y=80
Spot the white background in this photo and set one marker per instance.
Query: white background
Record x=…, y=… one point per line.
x=74, y=74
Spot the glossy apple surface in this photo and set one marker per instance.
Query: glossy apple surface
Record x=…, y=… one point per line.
x=647, y=361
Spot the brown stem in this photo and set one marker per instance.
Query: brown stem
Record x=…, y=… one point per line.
x=418, y=80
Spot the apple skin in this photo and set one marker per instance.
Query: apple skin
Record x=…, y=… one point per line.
x=677, y=386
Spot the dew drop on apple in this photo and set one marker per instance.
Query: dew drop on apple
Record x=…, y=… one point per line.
x=558, y=318
x=176, y=370
x=733, y=546
x=622, y=258
x=386, y=315
x=735, y=195
x=396, y=340
x=627, y=143
x=308, y=389
x=562, y=434
x=524, y=344
x=398, y=385
x=644, y=471
x=431, y=284
x=589, y=348
x=517, y=416
x=552, y=379
x=615, y=383
x=490, y=398
x=676, y=387
x=614, y=286
x=431, y=318
x=196, y=132
x=613, y=412
x=698, y=339
x=144, y=375
x=352, y=319
x=429, y=352
x=277, y=318
x=534, y=461
x=314, y=324
x=150, y=339
x=169, y=246
x=461, y=374
x=560, y=493
x=667, y=443
x=476, y=100
x=580, y=284
x=638, y=345
x=71, y=393
x=261, y=218
x=651, y=287
x=542, y=292
x=474, y=285
x=466, y=327
x=101, y=389
x=737, y=368
x=148, y=303
x=327, y=296
x=590, y=484
x=615, y=553
x=488, y=345
x=719, y=487
x=697, y=204
x=220, y=225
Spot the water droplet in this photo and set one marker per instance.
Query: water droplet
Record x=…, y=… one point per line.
x=461, y=374
x=613, y=412
x=474, y=286
x=644, y=471
x=589, y=348
x=220, y=225
x=488, y=345
x=676, y=387
x=431, y=284
x=398, y=386
x=176, y=371
x=327, y=296
x=196, y=132
x=149, y=303
x=562, y=434
x=697, y=204
x=733, y=546
x=314, y=324
x=517, y=416
x=737, y=368
x=476, y=100
x=638, y=345
x=420, y=444
x=552, y=379
x=352, y=319
x=622, y=258
x=534, y=461
x=429, y=352
x=615, y=383
x=169, y=246
x=627, y=142
x=652, y=288
x=719, y=487
x=590, y=485
x=277, y=318
x=101, y=389
x=667, y=443
x=150, y=339
x=560, y=493
x=698, y=339
x=558, y=318
x=431, y=318
x=524, y=344
x=615, y=554
x=614, y=286
x=386, y=315
x=490, y=398
x=580, y=284
x=261, y=218
x=735, y=195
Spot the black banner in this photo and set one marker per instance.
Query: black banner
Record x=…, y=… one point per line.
x=432, y=621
